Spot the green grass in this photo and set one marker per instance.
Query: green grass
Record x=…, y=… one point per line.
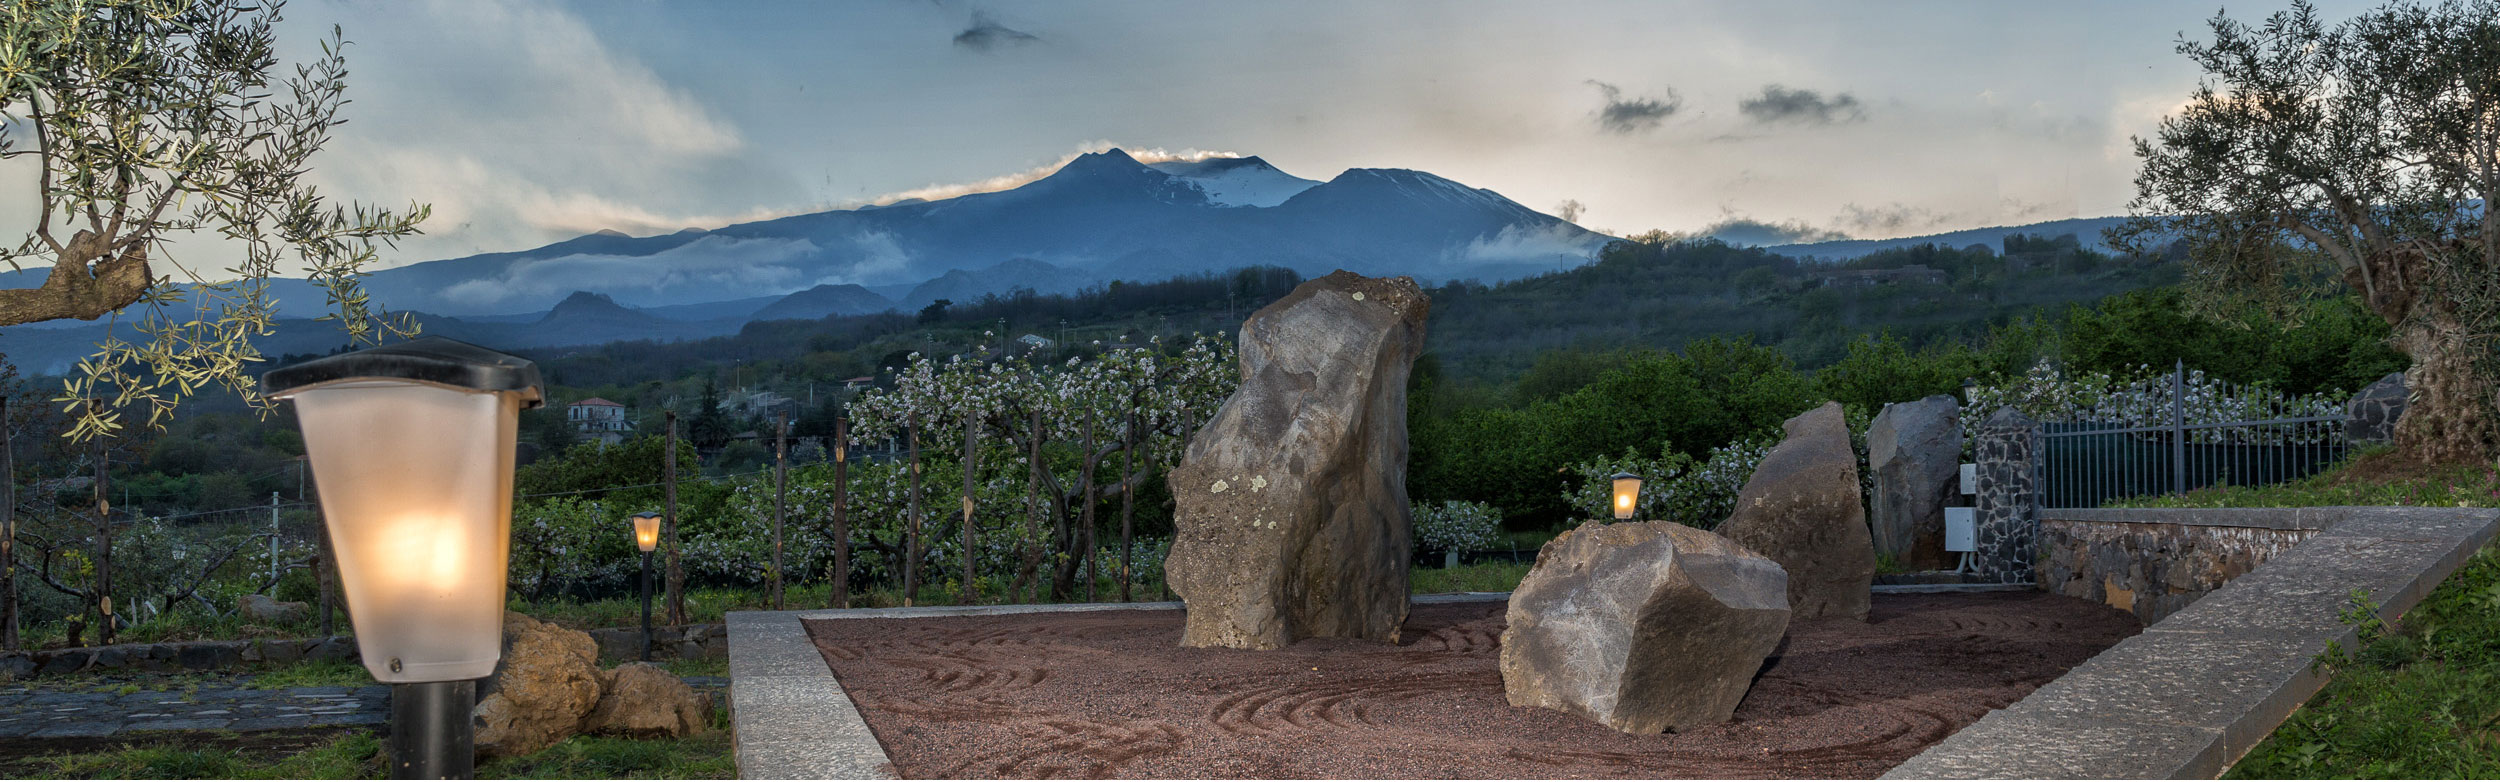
x=312, y=673
x=2420, y=700
x=700, y=666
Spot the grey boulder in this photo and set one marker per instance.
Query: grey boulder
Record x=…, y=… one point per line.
x=1290, y=504
x=1802, y=509
x=1642, y=626
x=2371, y=415
x=1914, y=450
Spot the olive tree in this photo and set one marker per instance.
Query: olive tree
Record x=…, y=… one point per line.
x=2362, y=155
x=152, y=122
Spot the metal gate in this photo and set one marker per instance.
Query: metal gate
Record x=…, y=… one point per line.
x=2182, y=432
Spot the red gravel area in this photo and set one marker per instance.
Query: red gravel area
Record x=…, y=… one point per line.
x=1110, y=694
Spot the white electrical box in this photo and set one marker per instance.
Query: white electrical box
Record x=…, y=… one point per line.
x=1970, y=479
x=1961, y=528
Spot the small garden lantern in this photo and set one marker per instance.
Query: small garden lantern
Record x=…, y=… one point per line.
x=646, y=537
x=411, y=445
x=1627, y=495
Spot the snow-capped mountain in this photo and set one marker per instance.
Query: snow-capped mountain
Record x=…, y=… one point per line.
x=1103, y=216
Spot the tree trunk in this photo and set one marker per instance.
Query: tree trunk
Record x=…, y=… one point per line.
x=1128, y=507
x=668, y=525
x=969, y=595
x=104, y=535
x=2448, y=417
x=911, y=546
x=1026, y=576
x=841, y=512
x=781, y=493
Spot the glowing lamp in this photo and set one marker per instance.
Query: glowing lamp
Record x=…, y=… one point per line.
x=646, y=531
x=1627, y=495
x=411, y=446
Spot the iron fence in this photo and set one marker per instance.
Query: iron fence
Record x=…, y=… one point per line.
x=2185, y=431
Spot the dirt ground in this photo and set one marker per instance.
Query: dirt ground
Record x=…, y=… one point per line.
x=1110, y=694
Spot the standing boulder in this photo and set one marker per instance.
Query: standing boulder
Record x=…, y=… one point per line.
x=1914, y=450
x=1642, y=626
x=547, y=682
x=1802, y=509
x=1291, y=503
x=645, y=701
x=2371, y=415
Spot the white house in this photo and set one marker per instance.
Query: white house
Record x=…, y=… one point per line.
x=601, y=419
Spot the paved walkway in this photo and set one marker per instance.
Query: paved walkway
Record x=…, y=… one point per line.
x=34, y=711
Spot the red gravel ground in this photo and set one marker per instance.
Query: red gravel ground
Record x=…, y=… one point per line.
x=1110, y=694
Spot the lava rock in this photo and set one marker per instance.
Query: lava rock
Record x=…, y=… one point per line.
x=2371, y=415
x=263, y=608
x=1914, y=450
x=1642, y=626
x=1802, y=509
x=1291, y=503
x=642, y=700
x=547, y=681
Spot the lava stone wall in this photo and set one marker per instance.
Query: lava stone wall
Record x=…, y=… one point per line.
x=2151, y=568
x=2007, y=508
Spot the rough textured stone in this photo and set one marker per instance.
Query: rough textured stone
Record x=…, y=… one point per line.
x=646, y=701
x=2372, y=413
x=546, y=683
x=263, y=608
x=2156, y=564
x=1802, y=509
x=1291, y=502
x=1642, y=626
x=1914, y=450
x=2007, y=508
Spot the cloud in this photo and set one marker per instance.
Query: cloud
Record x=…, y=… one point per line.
x=937, y=192
x=1624, y=117
x=1896, y=219
x=987, y=35
x=1748, y=232
x=1781, y=104
x=1531, y=244
x=715, y=264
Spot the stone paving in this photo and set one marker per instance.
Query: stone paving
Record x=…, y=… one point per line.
x=35, y=711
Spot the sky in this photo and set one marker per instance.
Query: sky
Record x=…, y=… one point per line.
x=524, y=122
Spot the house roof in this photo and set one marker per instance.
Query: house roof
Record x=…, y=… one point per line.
x=862, y=379
x=595, y=402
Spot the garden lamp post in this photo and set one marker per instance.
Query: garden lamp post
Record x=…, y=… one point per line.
x=646, y=537
x=1627, y=495
x=412, y=444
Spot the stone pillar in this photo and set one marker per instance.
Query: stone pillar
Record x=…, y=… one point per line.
x=2008, y=503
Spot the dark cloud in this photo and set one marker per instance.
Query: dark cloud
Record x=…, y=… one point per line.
x=1897, y=218
x=986, y=34
x=1635, y=115
x=1781, y=104
x=1749, y=232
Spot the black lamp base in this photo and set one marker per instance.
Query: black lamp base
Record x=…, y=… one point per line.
x=431, y=734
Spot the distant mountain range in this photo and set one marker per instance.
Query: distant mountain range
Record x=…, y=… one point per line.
x=1103, y=216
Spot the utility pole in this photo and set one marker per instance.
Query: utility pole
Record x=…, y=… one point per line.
x=841, y=513
x=911, y=556
x=8, y=530
x=668, y=525
x=273, y=540
x=972, y=442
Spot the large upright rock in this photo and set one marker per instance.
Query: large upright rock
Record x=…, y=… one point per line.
x=1914, y=450
x=1291, y=504
x=1802, y=509
x=1642, y=626
x=2371, y=415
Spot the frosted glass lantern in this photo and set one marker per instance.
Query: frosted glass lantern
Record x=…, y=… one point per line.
x=411, y=447
x=1627, y=495
x=646, y=531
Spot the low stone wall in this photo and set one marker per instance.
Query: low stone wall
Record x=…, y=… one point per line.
x=175, y=656
x=2153, y=564
x=709, y=641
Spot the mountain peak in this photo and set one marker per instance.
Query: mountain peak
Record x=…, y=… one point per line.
x=586, y=303
x=1113, y=159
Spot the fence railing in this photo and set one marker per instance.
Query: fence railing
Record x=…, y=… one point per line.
x=2184, y=432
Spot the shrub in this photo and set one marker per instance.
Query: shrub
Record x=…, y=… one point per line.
x=1455, y=525
x=1674, y=487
